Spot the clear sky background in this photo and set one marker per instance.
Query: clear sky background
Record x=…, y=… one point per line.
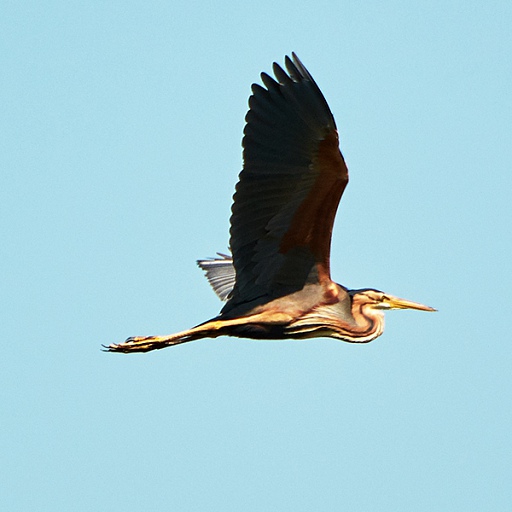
x=120, y=133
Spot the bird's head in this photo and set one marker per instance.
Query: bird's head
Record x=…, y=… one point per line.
x=376, y=299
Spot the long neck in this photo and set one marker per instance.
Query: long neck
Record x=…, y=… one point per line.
x=369, y=322
x=353, y=320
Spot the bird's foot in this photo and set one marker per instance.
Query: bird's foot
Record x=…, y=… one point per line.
x=136, y=344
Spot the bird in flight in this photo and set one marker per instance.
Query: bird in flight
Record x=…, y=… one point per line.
x=277, y=283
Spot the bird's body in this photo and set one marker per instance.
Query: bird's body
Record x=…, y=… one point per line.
x=277, y=284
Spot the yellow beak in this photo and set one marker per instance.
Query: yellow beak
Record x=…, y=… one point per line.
x=397, y=303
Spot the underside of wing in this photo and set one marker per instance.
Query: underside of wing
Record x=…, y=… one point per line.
x=220, y=274
x=289, y=189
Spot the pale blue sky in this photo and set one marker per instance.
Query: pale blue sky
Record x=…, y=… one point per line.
x=120, y=139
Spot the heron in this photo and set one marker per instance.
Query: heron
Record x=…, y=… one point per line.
x=277, y=283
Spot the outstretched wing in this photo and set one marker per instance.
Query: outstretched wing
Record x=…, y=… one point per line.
x=220, y=274
x=289, y=189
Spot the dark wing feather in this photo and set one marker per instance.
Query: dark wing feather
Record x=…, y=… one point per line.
x=289, y=189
